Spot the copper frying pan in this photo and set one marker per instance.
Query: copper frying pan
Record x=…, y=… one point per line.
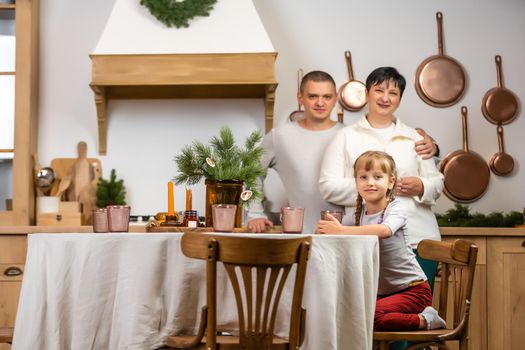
x=501, y=163
x=352, y=94
x=298, y=114
x=466, y=172
x=500, y=105
x=440, y=79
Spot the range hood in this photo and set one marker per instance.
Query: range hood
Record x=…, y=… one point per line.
x=225, y=55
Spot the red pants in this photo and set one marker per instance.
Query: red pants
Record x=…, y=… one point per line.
x=399, y=311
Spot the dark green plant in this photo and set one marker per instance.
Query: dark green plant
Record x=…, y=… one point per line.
x=460, y=216
x=111, y=192
x=221, y=159
x=178, y=13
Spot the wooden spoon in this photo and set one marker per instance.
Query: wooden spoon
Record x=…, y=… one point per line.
x=64, y=185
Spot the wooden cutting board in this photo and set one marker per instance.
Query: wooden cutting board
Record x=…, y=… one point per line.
x=61, y=166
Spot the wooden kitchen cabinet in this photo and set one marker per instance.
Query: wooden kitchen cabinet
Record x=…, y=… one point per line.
x=13, y=250
x=506, y=292
x=26, y=118
x=497, y=316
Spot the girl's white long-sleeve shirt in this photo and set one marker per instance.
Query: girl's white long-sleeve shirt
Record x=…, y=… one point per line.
x=337, y=183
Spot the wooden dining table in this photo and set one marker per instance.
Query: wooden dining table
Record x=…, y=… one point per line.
x=133, y=290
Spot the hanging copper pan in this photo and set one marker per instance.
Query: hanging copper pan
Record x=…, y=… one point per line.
x=466, y=172
x=500, y=105
x=298, y=114
x=440, y=79
x=352, y=94
x=501, y=163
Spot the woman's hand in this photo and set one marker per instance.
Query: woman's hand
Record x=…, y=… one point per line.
x=409, y=186
x=331, y=225
x=425, y=148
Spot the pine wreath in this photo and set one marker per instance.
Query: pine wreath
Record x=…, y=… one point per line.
x=176, y=12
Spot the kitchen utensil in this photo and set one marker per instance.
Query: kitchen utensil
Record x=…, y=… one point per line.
x=440, y=79
x=340, y=114
x=352, y=94
x=499, y=105
x=44, y=179
x=501, y=163
x=64, y=184
x=466, y=173
x=298, y=114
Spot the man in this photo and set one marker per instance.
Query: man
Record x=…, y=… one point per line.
x=295, y=151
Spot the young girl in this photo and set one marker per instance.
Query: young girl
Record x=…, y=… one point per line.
x=404, y=295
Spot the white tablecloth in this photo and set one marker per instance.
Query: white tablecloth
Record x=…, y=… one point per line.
x=130, y=291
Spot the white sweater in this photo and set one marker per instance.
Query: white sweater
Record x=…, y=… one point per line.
x=337, y=184
x=296, y=154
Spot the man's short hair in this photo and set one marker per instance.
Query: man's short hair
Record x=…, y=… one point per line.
x=316, y=75
x=381, y=74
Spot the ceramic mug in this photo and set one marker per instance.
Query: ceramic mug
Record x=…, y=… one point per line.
x=118, y=218
x=338, y=214
x=223, y=217
x=292, y=219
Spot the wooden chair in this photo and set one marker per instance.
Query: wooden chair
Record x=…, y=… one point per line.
x=458, y=260
x=263, y=265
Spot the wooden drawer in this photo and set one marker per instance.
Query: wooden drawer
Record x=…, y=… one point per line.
x=13, y=249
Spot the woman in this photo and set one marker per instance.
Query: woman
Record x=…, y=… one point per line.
x=420, y=182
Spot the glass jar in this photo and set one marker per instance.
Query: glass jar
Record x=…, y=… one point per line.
x=191, y=219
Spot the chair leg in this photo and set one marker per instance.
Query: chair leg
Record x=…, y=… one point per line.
x=384, y=345
x=463, y=344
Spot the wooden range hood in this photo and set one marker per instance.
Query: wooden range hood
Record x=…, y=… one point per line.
x=165, y=76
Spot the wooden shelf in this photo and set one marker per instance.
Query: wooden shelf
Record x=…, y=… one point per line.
x=236, y=75
x=7, y=6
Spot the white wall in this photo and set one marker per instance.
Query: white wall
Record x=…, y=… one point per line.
x=144, y=136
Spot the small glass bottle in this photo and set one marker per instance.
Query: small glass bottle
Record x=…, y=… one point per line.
x=191, y=219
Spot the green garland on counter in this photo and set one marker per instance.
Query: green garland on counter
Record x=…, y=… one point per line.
x=460, y=216
x=177, y=12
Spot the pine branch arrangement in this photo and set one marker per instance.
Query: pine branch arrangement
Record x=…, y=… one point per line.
x=178, y=13
x=111, y=192
x=222, y=160
x=460, y=216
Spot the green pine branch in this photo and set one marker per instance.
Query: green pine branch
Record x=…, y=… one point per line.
x=178, y=13
x=460, y=216
x=222, y=160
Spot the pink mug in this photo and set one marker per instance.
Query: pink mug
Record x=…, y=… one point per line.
x=292, y=219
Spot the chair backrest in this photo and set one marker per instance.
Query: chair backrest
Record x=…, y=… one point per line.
x=257, y=269
x=458, y=261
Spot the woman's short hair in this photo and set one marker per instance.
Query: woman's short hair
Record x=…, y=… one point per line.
x=381, y=74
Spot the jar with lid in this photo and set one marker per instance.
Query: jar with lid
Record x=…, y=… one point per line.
x=191, y=219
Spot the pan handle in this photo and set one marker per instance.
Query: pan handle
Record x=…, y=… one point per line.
x=465, y=131
x=340, y=114
x=500, y=139
x=299, y=79
x=498, y=71
x=439, y=18
x=348, y=57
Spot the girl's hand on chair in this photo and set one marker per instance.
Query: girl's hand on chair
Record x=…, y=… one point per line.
x=328, y=226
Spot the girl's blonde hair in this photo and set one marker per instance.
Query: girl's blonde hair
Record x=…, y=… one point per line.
x=367, y=161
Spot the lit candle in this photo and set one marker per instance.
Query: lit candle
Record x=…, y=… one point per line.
x=188, y=199
x=171, y=210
